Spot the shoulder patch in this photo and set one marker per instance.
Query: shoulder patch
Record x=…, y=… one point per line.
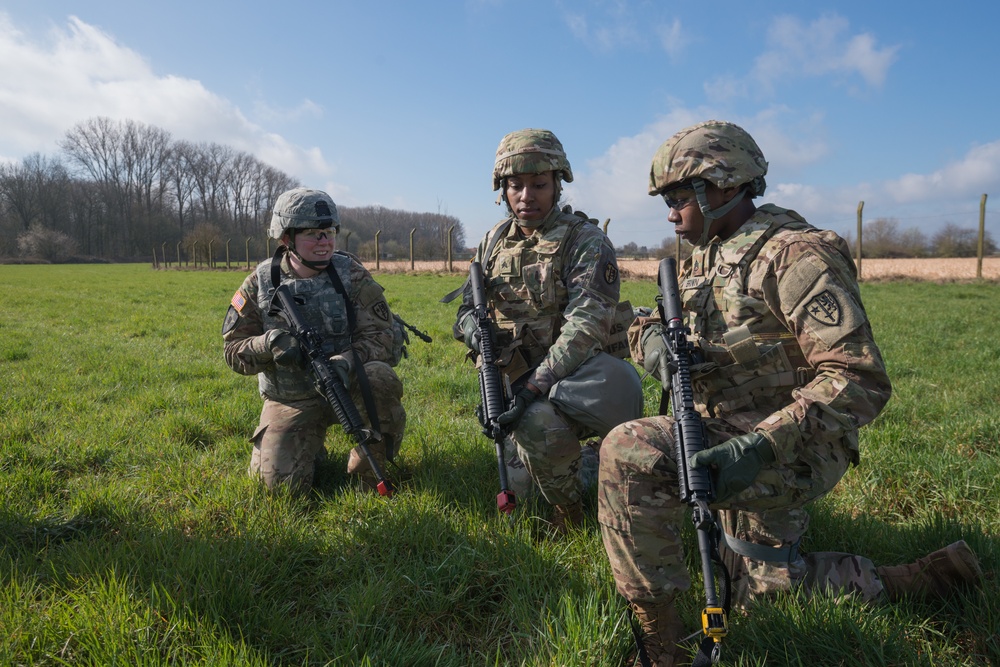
x=610, y=273
x=238, y=301
x=381, y=310
x=824, y=308
x=232, y=317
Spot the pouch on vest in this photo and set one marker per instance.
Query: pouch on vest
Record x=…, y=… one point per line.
x=602, y=393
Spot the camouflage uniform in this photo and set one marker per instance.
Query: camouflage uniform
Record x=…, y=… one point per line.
x=553, y=286
x=554, y=295
x=289, y=439
x=787, y=351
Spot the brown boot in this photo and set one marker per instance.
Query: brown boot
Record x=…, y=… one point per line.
x=937, y=574
x=662, y=630
x=357, y=464
x=565, y=517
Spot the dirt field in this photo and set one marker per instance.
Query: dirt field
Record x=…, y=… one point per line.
x=872, y=269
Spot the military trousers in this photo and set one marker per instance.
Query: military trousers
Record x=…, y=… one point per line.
x=548, y=444
x=641, y=518
x=290, y=437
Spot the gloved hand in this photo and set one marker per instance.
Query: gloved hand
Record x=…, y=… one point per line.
x=653, y=347
x=343, y=365
x=285, y=348
x=522, y=400
x=737, y=462
x=470, y=331
x=275, y=345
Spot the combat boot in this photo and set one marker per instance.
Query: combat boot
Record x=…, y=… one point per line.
x=357, y=464
x=662, y=631
x=937, y=574
x=565, y=517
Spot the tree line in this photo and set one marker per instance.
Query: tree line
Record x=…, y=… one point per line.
x=881, y=238
x=120, y=189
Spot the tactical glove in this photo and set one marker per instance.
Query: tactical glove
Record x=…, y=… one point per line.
x=470, y=331
x=522, y=400
x=285, y=348
x=653, y=349
x=274, y=345
x=737, y=462
x=343, y=366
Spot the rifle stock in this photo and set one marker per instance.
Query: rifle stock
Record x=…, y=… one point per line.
x=328, y=382
x=491, y=386
x=696, y=487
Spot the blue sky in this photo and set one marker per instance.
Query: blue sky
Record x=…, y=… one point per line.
x=402, y=104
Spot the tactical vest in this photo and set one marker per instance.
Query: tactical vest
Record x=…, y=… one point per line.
x=527, y=289
x=751, y=362
x=326, y=312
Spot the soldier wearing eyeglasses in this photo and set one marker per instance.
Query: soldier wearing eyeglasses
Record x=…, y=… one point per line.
x=342, y=302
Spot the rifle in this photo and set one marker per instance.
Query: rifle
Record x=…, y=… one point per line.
x=327, y=381
x=696, y=487
x=419, y=334
x=491, y=386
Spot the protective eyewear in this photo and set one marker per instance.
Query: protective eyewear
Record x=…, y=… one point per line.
x=678, y=198
x=316, y=235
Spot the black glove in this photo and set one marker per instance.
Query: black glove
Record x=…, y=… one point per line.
x=737, y=462
x=522, y=400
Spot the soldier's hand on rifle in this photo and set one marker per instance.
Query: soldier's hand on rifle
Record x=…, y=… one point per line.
x=653, y=349
x=275, y=345
x=470, y=331
x=737, y=462
x=522, y=400
x=343, y=366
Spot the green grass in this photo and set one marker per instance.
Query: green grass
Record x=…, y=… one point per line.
x=131, y=535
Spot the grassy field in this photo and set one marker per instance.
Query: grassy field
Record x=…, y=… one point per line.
x=131, y=535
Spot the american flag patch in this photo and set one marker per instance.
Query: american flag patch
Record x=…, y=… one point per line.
x=238, y=301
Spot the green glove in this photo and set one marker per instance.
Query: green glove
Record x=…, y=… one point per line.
x=343, y=366
x=274, y=345
x=470, y=331
x=285, y=348
x=522, y=400
x=653, y=347
x=737, y=462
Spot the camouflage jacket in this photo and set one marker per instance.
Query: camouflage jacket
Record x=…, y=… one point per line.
x=553, y=293
x=786, y=346
x=371, y=339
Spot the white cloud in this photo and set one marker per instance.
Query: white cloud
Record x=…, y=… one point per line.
x=79, y=72
x=977, y=171
x=795, y=50
x=673, y=38
x=821, y=48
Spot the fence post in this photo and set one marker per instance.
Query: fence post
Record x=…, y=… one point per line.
x=248, y=253
x=227, y=252
x=163, y=251
x=194, y=253
x=347, y=241
x=155, y=266
x=178, y=255
x=861, y=206
x=376, y=250
x=982, y=233
x=211, y=255
x=606, y=223
x=449, y=247
x=411, y=247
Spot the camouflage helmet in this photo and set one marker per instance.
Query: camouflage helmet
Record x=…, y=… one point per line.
x=303, y=208
x=721, y=153
x=530, y=151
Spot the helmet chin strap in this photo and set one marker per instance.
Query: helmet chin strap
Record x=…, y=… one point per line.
x=711, y=214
